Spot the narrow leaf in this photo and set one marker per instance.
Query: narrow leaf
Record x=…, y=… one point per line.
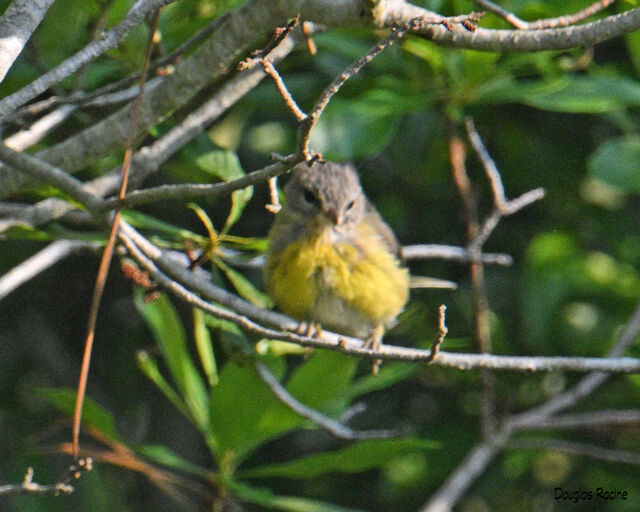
x=205, y=347
x=266, y=498
x=355, y=458
x=149, y=367
x=171, y=340
x=93, y=414
x=164, y=456
x=244, y=287
x=239, y=199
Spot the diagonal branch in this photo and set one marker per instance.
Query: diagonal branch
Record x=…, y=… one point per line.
x=332, y=426
x=197, y=289
x=18, y=22
x=89, y=53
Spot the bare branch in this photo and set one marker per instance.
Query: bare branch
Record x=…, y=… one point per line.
x=561, y=21
x=28, y=486
x=310, y=120
x=581, y=449
x=397, y=12
x=332, y=426
x=194, y=191
x=38, y=130
x=90, y=52
x=449, y=252
x=585, y=420
x=39, y=169
x=442, y=332
x=467, y=472
x=17, y=24
x=39, y=262
x=586, y=385
x=270, y=70
x=197, y=288
x=149, y=159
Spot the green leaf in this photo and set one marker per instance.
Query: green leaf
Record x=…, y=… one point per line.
x=93, y=414
x=171, y=340
x=205, y=347
x=220, y=163
x=143, y=221
x=355, y=458
x=164, y=456
x=244, y=287
x=149, y=367
x=266, y=498
x=388, y=375
x=238, y=403
x=204, y=218
x=617, y=162
x=322, y=377
x=566, y=93
x=245, y=413
x=239, y=199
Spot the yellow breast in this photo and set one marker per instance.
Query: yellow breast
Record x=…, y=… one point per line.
x=348, y=287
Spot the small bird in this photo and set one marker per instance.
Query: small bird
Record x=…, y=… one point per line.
x=332, y=260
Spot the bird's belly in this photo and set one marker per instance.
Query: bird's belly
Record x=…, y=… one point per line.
x=338, y=285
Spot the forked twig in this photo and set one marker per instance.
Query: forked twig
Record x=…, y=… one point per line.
x=442, y=332
x=560, y=21
x=61, y=486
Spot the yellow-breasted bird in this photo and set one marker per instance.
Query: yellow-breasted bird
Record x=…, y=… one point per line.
x=332, y=260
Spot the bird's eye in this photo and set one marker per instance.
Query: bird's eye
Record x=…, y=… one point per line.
x=350, y=205
x=309, y=196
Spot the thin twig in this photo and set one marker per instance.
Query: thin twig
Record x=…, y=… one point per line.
x=270, y=70
x=482, y=334
x=90, y=52
x=442, y=332
x=307, y=125
x=194, y=191
x=573, y=448
x=560, y=21
x=105, y=262
x=279, y=35
x=274, y=204
x=61, y=486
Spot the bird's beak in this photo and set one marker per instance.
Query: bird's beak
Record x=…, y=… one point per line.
x=334, y=216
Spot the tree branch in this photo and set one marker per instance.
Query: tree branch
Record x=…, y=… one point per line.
x=89, y=53
x=196, y=288
x=332, y=426
x=256, y=20
x=39, y=262
x=18, y=22
x=28, y=486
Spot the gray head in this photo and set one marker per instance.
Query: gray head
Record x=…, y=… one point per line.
x=329, y=190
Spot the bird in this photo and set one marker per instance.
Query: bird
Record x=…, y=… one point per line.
x=331, y=258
